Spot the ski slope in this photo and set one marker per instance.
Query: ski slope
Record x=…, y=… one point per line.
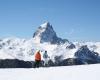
x=83, y=72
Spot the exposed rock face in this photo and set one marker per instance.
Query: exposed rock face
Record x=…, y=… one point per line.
x=87, y=56
x=46, y=33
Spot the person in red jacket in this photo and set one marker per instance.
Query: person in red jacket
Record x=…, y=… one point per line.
x=37, y=59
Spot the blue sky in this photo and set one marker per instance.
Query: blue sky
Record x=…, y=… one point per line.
x=76, y=20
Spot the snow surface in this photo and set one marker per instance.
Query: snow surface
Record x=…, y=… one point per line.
x=83, y=72
x=4, y=55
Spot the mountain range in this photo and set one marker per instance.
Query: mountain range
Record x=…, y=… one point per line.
x=46, y=39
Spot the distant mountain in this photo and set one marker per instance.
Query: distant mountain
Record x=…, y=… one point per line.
x=46, y=33
x=86, y=55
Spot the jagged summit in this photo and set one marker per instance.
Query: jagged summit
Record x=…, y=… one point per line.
x=46, y=33
x=45, y=25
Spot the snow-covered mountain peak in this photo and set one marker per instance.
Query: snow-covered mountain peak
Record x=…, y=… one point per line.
x=46, y=33
x=45, y=25
x=87, y=55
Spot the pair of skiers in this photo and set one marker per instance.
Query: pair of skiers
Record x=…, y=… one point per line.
x=38, y=59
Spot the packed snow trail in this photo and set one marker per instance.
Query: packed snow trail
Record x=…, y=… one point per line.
x=84, y=72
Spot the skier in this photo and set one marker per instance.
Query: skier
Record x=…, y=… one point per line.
x=37, y=59
x=46, y=57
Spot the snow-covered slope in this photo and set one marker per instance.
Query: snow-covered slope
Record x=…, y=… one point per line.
x=24, y=49
x=85, y=72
